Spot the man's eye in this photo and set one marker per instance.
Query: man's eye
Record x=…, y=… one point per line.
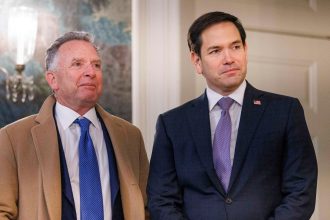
x=214, y=51
x=77, y=64
x=97, y=65
x=237, y=47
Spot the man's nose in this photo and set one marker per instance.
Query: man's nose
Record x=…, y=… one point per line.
x=89, y=70
x=227, y=57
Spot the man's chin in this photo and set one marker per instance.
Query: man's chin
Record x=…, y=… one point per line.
x=90, y=98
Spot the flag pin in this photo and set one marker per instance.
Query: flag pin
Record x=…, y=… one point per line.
x=257, y=102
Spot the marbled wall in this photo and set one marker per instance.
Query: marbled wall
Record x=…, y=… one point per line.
x=108, y=20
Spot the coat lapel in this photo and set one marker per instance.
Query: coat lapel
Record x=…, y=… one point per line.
x=129, y=187
x=199, y=124
x=45, y=141
x=118, y=138
x=252, y=111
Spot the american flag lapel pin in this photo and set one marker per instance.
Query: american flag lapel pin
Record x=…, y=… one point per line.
x=257, y=102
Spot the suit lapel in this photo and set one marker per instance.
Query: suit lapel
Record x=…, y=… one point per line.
x=45, y=141
x=129, y=187
x=252, y=110
x=199, y=125
x=118, y=138
x=114, y=181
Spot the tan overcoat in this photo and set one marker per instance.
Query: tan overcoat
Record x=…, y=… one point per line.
x=30, y=178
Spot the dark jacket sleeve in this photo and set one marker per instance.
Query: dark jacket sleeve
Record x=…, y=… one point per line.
x=164, y=193
x=299, y=174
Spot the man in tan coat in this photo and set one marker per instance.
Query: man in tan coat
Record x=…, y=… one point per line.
x=40, y=173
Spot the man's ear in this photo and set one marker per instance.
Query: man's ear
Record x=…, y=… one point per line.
x=52, y=80
x=197, y=62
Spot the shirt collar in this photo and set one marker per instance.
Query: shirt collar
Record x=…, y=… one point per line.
x=238, y=95
x=66, y=116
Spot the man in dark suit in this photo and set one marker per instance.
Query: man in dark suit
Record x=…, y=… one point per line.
x=72, y=160
x=235, y=152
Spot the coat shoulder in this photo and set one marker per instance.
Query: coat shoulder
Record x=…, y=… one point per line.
x=124, y=122
x=21, y=125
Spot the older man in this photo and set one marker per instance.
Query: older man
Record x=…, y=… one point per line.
x=72, y=160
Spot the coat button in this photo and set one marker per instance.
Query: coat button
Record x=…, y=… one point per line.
x=229, y=201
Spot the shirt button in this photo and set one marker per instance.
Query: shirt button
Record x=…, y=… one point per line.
x=229, y=201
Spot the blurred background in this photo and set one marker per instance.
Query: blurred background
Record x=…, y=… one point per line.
x=108, y=20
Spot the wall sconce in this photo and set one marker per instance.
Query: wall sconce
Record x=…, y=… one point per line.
x=22, y=33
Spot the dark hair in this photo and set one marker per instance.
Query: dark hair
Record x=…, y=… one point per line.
x=207, y=20
x=72, y=35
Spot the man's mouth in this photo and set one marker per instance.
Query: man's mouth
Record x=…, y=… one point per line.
x=230, y=70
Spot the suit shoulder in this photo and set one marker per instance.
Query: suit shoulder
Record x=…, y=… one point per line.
x=181, y=109
x=277, y=97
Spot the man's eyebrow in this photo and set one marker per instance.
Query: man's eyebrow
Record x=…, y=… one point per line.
x=96, y=61
x=237, y=42
x=220, y=47
x=83, y=60
x=77, y=59
x=213, y=47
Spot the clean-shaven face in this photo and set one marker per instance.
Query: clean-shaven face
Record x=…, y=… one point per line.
x=77, y=78
x=223, y=59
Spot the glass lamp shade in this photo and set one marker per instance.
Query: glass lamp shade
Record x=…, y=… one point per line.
x=22, y=33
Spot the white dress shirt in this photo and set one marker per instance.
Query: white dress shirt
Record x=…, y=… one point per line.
x=70, y=135
x=234, y=111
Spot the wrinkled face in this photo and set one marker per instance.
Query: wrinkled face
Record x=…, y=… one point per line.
x=77, y=77
x=223, y=59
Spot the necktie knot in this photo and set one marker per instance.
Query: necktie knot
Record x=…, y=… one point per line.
x=83, y=123
x=225, y=103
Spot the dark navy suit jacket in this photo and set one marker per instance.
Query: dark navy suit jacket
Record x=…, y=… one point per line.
x=274, y=172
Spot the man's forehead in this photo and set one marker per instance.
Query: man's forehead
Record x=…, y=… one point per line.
x=85, y=59
x=224, y=32
x=77, y=45
x=78, y=49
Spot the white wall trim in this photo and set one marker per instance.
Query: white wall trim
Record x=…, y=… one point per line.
x=155, y=62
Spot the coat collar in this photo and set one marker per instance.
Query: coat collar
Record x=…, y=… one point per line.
x=44, y=136
x=131, y=196
x=119, y=138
